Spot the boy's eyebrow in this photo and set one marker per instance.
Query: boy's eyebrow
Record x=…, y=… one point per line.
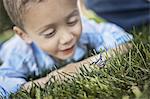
x=74, y=12
x=42, y=29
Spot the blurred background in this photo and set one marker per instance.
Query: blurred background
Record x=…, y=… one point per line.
x=5, y=24
x=125, y=13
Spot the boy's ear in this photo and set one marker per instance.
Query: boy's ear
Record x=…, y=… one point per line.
x=22, y=34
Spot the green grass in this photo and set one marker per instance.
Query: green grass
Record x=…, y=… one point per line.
x=126, y=76
x=6, y=35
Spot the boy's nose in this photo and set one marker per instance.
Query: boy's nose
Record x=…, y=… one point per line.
x=66, y=38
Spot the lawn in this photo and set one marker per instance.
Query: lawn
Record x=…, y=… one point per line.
x=125, y=76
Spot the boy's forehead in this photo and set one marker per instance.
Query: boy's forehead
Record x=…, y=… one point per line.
x=58, y=2
x=63, y=1
x=53, y=4
x=49, y=11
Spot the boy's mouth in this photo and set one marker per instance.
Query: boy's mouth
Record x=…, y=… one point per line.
x=68, y=50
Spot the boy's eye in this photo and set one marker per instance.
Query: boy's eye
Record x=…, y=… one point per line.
x=49, y=33
x=72, y=21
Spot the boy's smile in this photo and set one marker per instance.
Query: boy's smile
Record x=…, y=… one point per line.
x=55, y=26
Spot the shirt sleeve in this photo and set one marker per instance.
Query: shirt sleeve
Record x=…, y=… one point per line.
x=103, y=35
x=10, y=85
x=13, y=73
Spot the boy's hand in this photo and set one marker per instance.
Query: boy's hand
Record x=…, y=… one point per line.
x=39, y=82
x=67, y=71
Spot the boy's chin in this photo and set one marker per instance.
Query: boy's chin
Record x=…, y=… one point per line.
x=65, y=57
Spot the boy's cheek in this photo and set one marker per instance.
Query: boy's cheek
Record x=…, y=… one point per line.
x=78, y=30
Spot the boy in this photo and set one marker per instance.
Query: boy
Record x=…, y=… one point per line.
x=48, y=32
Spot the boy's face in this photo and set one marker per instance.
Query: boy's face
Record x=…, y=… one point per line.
x=55, y=26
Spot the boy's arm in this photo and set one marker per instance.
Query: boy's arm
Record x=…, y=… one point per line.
x=73, y=68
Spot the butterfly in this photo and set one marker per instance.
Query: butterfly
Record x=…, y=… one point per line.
x=100, y=62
